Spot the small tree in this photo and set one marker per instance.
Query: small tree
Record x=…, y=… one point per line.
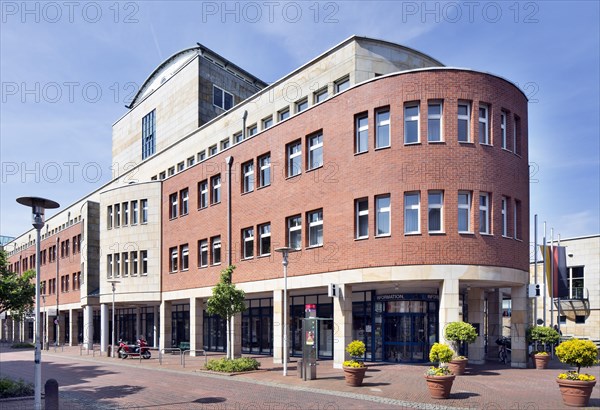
x=577, y=352
x=17, y=292
x=542, y=335
x=227, y=301
x=459, y=332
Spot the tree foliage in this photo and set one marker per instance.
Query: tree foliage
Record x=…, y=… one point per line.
x=226, y=300
x=17, y=292
x=577, y=352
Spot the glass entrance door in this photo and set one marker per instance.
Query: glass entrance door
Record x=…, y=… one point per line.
x=407, y=326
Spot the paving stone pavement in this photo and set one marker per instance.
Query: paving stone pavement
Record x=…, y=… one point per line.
x=99, y=382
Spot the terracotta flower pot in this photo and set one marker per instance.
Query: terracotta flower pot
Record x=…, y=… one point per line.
x=440, y=386
x=541, y=361
x=576, y=393
x=458, y=366
x=354, y=375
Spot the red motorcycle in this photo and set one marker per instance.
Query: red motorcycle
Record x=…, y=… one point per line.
x=140, y=348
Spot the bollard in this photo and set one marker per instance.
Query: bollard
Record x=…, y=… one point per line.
x=51, y=395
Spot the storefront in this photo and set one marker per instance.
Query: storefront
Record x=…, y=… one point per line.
x=257, y=327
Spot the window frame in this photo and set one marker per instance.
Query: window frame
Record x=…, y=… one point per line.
x=409, y=209
x=341, y=84
x=173, y=205
x=485, y=213
x=144, y=262
x=291, y=158
x=283, y=114
x=149, y=134
x=317, y=95
x=224, y=94
x=184, y=202
x=301, y=105
x=203, y=253
x=215, y=189
x=361, y=133
x=184, y=254
x=248, y=177
x=504, y=211
x=173, y=259
x=267, y=122
x=464, y=117
x=203, y=200
x=484, y=124
x=215, y=249
x=314, y=151
x=503, y=129
x=466, y=207
x=265, y=170
x=382, y=124
x=383, y=210
x=248, y=243
x=291, y=229
x=134, y=212
x=144, y=211
x=263, y=237
x=435, y=117
x=432, y=206
x=359, y=215
x=410, y=119
x=314, y=227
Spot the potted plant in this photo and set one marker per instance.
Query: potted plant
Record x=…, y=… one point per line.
x=544, y=336
x=457, y=333
x=439, y=379
x=354, y=369
x=575, y=387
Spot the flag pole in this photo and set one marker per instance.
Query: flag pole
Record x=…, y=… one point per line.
x=552, y=277
x=545, y=268
x=535, y=264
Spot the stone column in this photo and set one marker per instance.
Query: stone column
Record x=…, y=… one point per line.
x=519, y=320
x=342, y=324
x=104, y=332
x=60, y=328
x=494, y=322
x=237, y=335
x=73, y=330
x=449, y=305
x=476, y=316
x=196, y=325
x=165, y=324
x=51, y=330
x=278, y=326
x=138, y=323
x=88, y=327
x=155, y=314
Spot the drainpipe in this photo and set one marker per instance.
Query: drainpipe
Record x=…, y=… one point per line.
x=244, y=117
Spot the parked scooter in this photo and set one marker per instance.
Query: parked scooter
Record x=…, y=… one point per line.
x=140, y=348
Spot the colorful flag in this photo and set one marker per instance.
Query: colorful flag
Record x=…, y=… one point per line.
x=555, y=269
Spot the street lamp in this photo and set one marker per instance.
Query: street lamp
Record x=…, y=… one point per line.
x=38, y=206
x=45, y=315
x=284, y=253
x=113, y=282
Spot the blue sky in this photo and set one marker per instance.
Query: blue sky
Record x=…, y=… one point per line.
x=68, y=68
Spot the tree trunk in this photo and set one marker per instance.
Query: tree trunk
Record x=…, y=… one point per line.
x=229, y=347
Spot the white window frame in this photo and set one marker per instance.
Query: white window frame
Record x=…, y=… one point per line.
x=109, y=217
x=439, y=207
x=215, y=189
x=435, y=117
x=267, y=122
x=184, y=207
x=465, y=207
x=464, y=117
x=380, y=211
x=315, y=149
x=248, y=243
x=361, y=214
x=203, y=253
x=173, y=256
x=117, y=264
x=144, y=259
x=125, y=264
x=134, y=263
x=503, y=116
x=320, y=95
x=215, y=243
x=117, y=215
x=341, y=84
x=109, y=266
x=291, y=158
x=504, y=208
x=381, y=124
x=412, y=118
x=248, y=177
x=301, y=105
x=362, y=134
x=297, y=227
x=203, y=194
x=125, y=208
x=314, y=226
x=185, y=257
x=264, y=232
x=134, y=212
x=264, y=162
x=484, y=213
x=484, y=124
x=409, y=209
x=283, y=114
x=144, y=207
x=173, y=205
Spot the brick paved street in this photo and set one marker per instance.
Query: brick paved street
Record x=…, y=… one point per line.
x=101, y=382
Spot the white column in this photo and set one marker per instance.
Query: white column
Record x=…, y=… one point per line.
x=278, y=326
x=88, y=327
x=73, y=331
x=155, y=314
x=519, y=320
x=237, y=335
x=449, y=305
x=494, y=322
x=476, y=316
x=165, y=324
x=104, y=333
x=196, y=324
x=342, y=325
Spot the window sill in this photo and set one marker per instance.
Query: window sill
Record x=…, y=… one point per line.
x=293, y=176
x=412, y=143
x=215, y=203
x=436, y=142
x=182, y=215
x=362, y=238
x=266, y=255
x=466, y=142
x=361, y=153
x=437, y=233
x=486, y=234
x=249, y=258
x=484, y=144
x=506, y=149
x=507, y=237
x=315, y=168
x=383, y=148
x=216, y=264
x=387, y=235
x=264, y=186
x=247, y=192
x=314, y=246
x=466, y=233
x=202, y=207
x=172, y=218
x=202, y=266
x=412, y=233
x=184, y=270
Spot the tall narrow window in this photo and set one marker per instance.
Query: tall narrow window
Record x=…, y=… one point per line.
x=248, y=243
x=294, y=225
x=362, y=134
x=148, y=134
x=184, y=198
x=117, y=266
x=464, y=122
x=203, y=194
x=144, y=206
x=215, y=187
x=412, y=212
x=503, y=129
x=315, y=151
x=109, y=266
x=435, y=211
x=125, y=207
x=216, y=250
x=517, y=135
x=173, y=252
x=144, y=257
x=117, y=215
x=185, y=256
x=173, y=206
x=294, y=158
x=265, y=239
x=464, y=212
x=517, y=220
x=264, y=163
x=134, y=212
x=434, y=122
x=222, y=98
x=362, y=218
x=382, y=130
x=411, y=124
x=109, y=217
x=504, y=216
x=382, y=215
x=203, y=253
x=248, y=176
x=315, y=228
x=125, y=259
x=484, y=213
x=484, y=132
x=134, y=262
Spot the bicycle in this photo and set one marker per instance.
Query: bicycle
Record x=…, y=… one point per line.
x=504, y=349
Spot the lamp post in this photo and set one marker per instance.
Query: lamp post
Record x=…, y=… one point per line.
x=38, y=206
x=44, y=327
x=114, y=288
x=284, y=253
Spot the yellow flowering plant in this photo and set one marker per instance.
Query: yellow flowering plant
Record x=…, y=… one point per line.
x=573, y=375
x=442, y=354
x=580, y=353
x=356, y=349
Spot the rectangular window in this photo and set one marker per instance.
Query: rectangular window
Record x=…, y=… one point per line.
x=162, y=175
x=201, y=155
x=203, y=253
x=504, y=216
x=412, y=212
x=484, y=213
x=216, y=249
x=180, y=166
x=252, y=130
x=248, y=177
x=191, y=161
x=517, y=220
x=503, y=129
x=267, y=122
x=222, y=98
x=341, y=84
x=117, y=265
x=238, y=137
x=464, y=122
x=134, y=212
x=284, y=114
x=301, y=105
x=361, y=209
x=294, y=158
x=212, y=150
x=517, y=135
x=315, y=228
x=148, y=134
x=225, y=144
x=171, y=171
x=382, y=128
x=184, y=197
x=264, y=162
x=134, y=263
x=109, y=266
x=435, y=211
x=215, y=189
x=576, y=284
x=144, y=206
x=315, y=151
x=248, y=243
x=185, y=256
x=174, y=254
x=382, y=215
x=320, y=95
x=265, y=239
x=484, y=129
x=362, y=134
x=434, y=122
x=464, y=212
x=144, y=257
x=117, y=215
x=125, y=259
x=109, y=217
x=173, y=206
x=411, y=124
x=125, y=207
x=202, y=194
x=294, y=226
